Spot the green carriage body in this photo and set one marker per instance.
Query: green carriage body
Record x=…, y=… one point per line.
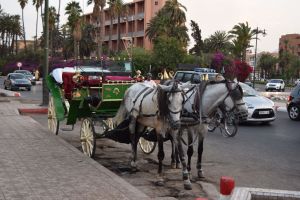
x=110, y=95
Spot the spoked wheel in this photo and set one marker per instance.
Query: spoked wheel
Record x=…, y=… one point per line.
x=212, y=125
x=147, y=146
x=88, y=137
x=53, y=123
x=230, y=125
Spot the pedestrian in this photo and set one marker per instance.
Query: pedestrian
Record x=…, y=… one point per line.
x=37, y=75
x=138, y=77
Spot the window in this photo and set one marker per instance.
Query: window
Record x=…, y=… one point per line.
x=156, y=3
x=187, y=77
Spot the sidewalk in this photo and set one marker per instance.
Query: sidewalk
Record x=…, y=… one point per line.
x=34, y=164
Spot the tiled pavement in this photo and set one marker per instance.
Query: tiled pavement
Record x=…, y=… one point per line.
x=35, y=164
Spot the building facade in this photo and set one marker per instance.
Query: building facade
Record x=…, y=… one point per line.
x=133, y=24
x=290, y=43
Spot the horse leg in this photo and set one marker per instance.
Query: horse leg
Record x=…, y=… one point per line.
x=190, y=150
x=132, y=130
x=199, y=161
x=185, y=174
x=160, y=156
x=173, y=155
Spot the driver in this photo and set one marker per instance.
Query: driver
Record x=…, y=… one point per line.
x=149, y=82
x=138, y=77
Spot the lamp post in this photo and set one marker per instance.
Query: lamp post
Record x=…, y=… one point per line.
x=257, y=31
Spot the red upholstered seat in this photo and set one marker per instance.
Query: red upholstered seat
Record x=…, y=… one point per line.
x=68, y=84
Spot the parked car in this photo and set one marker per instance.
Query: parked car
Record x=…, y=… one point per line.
x=260, y=109
x=293, y=103
x=248, y=82
x=194, y=76
x=297, y=81
x=17, y=81
x=28, y=75
x=275, y=84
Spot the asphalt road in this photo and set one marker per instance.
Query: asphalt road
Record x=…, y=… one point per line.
x=263, y=156
x=35, y=94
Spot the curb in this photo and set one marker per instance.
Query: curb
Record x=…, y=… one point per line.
x=24, y=111
x=7, y=93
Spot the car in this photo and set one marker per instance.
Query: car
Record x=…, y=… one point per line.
x=275, y=84
x=17, y=81
x=297, y=81
x=248, y=82
x=293, y=103
x=28, y=75
x=260, y=109
x=194, y=76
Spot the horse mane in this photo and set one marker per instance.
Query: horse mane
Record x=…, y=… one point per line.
x=162, y=102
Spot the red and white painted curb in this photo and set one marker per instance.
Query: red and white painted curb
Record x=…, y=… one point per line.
x=226, y=187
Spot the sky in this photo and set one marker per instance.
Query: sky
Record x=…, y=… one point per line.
x=277, y=17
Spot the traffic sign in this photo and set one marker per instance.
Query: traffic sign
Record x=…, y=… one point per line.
x=19, y=64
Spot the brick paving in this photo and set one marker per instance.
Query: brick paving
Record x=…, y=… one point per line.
x=34, y=164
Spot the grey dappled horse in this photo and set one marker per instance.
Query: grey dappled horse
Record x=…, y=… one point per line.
x=159, y=108
x=199, y=106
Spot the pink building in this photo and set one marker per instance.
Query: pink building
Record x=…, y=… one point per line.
x=132, y=25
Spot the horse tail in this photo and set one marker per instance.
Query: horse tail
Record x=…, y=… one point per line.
x=122, y=112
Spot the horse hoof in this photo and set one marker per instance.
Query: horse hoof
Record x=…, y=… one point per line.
x=178, y=165
x=173, y=166
x=187, y=185
x=133, y=164
x=201, y=174
x=160, y=182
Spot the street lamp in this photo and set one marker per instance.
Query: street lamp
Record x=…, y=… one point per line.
x=257, y=31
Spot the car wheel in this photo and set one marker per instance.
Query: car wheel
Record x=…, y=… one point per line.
x=267, y=90
x=29, y=88
x=283, y=90
x=279, y=90
x=294, y=112
x=5, y=88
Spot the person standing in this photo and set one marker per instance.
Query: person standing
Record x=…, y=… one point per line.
x=149, y=81
x=37, y=75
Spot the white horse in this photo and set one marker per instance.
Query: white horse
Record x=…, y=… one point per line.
x=201, y=102
x=159, y=108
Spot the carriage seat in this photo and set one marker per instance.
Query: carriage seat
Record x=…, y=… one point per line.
x=68, y=84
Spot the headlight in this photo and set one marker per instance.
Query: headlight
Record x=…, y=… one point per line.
x=250, y=106
x=12, y=81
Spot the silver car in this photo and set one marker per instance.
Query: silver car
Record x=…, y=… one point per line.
x=260, y=109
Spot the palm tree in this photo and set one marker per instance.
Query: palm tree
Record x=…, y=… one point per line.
x=118, y=9
x=219, y=41
x=52, y=21
x=243, y=34
x=169, y=22
x=23, y=4
x=58, y=13
x=111, y=13
x=73, y=11
x=37, y=4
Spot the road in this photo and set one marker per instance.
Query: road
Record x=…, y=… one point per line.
x=35, y=95
x=264, y=156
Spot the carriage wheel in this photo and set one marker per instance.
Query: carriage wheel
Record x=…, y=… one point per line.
x=88, y=137
x=53, y=123
x=147, y=146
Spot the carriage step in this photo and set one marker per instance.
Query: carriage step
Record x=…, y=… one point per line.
x=67, y=128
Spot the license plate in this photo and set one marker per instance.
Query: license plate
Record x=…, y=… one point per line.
x=22, y=88
x=263, y=112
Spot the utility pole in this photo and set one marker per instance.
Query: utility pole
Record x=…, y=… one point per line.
x=46, y=54
x=257, y=31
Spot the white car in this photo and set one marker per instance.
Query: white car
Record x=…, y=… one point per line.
x=297, y=81
x=275, y=84
x=260, y=109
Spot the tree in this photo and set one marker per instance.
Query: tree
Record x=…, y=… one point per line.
x=98, y=13
x=37, y=4
x=161, y=52
x=267, y=63
x=196, y=34
x=169, y=21
x=52, y=21
x=23, y=4
x=243, y=34
x=219, y=41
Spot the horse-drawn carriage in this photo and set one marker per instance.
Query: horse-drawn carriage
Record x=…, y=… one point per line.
x=90, y=92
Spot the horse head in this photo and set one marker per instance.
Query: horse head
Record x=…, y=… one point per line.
x=170, y=103
x=234, y=99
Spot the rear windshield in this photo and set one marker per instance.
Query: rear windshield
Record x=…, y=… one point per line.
x=275, y=81
x=23, y=72
x=17, y=76
x=296, y=91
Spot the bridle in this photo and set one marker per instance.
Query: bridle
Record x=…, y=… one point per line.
x=235, y=94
